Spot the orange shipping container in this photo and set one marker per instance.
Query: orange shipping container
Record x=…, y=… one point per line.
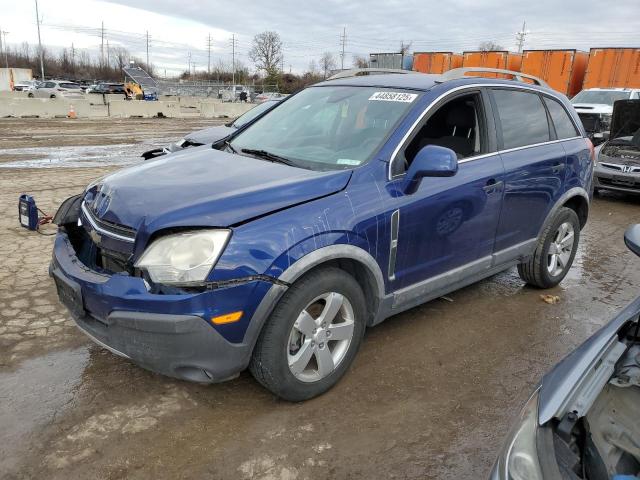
x=613, y=68
x=436, y=62
x=493, y=59
x=563, y=70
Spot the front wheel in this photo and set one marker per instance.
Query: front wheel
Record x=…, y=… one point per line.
x=554, y=252
x=312, y=336
x=30, y=95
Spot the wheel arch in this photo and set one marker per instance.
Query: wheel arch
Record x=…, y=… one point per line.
x=353, y=260
x=575, y=198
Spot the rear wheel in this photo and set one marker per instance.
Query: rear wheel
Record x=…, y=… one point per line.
x=312, y=336
x=52, y=96
x=555, y=251
x=30, y=95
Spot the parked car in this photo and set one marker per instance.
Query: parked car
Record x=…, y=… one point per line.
x=55, y=89
x=352, y=201
x=107, y=88
x=25, y=85
x=583, y=421
x=618, y=166
x=211, y=135
x=595, y=107
x=267, y=96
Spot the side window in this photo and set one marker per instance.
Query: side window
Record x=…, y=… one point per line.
x=560, y=118
x=49, y=85
x=522, y=117
x=458, y=125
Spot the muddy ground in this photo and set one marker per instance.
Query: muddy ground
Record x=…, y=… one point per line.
x=431, y=394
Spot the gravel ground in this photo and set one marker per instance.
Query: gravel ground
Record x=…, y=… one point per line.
x=431, y=394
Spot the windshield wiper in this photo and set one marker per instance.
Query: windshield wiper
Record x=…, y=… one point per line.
x=227, y=144
x=272, y=157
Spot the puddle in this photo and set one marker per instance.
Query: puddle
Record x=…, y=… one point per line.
x=33, y=395
x=79, y=156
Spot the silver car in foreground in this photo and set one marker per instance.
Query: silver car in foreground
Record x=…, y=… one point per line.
x=583, y=421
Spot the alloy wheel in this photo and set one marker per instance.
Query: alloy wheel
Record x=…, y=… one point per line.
x=560, y=249
x=320, y=337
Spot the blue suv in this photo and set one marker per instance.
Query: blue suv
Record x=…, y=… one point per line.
x=351, y=201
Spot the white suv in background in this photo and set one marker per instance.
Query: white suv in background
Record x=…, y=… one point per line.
x=595, y=106
x=55, y=89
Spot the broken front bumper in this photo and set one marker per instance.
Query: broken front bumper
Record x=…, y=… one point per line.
x=168, y=334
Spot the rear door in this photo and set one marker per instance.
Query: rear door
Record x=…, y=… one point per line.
x=534, y=162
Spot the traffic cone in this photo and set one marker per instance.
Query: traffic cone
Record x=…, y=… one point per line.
x=72, y=112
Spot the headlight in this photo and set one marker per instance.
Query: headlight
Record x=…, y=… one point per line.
x=519, y=459
x=183, y=258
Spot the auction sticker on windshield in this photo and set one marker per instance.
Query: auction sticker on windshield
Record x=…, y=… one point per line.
x=393, y=97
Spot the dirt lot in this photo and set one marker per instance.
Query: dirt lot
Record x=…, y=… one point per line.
x=431, y=394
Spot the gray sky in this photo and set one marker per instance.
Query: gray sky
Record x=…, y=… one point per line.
x=308, y=28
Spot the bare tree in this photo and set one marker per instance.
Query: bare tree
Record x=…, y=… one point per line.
x=327, y=63
x=405, y=47
x=360, y=61
x=313, y=68
x=266, y=52
x=119, y=57
x=490, y=46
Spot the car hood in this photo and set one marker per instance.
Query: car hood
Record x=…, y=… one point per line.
x=201, y=186
x=593, y=107
x=210, y=135
x=586, y=363
x=625, y=121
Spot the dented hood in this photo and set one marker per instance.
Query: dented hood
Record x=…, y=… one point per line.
x=205, y=187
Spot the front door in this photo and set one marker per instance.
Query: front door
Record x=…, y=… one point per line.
x=448, y=224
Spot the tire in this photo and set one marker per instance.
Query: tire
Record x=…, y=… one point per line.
x=282, y=342
x=30, y=95
x=542, y=270
x=52, y=96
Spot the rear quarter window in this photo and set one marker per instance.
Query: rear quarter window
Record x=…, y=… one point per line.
x=523, y=118
x=561, y=120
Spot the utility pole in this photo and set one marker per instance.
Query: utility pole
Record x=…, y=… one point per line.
x=147, y=49
x=107, y=53
x=209, y=53
x=189, y=64
x=520, y=36
x=40, y=42
x=233, y=60
x=343, y=39
x=3, y=36
x=102, y=44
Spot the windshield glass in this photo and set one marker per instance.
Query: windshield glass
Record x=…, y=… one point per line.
x=599, y=96
x=326, y=128
x=251, y=114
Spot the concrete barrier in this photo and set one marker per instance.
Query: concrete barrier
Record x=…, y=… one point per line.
x=92, y=107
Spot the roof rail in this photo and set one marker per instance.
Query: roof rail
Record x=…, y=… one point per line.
x=354, y=72
x=462, y=72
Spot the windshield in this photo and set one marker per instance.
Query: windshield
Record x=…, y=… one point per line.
x=326, y=128
x=251, y=114
x=606, y=97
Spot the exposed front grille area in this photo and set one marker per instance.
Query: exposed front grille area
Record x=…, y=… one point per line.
x=621, y=168
x=120, y=232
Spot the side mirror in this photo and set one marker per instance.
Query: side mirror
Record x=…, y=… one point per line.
x=430, y=161
x=632, y=238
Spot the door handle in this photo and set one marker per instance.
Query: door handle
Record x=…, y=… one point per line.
x=492, y=186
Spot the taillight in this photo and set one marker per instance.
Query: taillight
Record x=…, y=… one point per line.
x=592, y=150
